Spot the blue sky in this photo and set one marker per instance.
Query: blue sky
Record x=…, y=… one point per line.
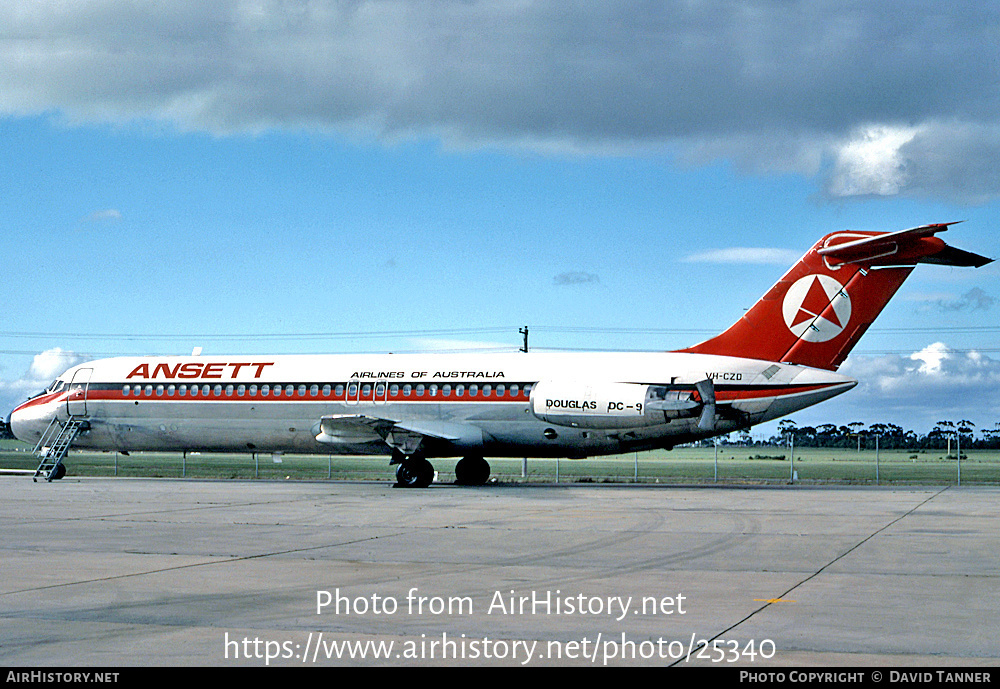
x=245, y=176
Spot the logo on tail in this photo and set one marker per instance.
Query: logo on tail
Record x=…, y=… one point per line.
x=816, y=308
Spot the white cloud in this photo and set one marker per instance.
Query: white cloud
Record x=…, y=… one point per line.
x=45, y=367
x=107, y=215
x=931, y=357
x=783, y=257
x=575, y=277
x=919, y=389
x=869, y=162
x=887, y=101
x=975, y=299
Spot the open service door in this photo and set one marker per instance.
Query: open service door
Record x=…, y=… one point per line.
x=76, y=400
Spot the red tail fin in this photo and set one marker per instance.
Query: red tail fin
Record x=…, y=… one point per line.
x=820, y=309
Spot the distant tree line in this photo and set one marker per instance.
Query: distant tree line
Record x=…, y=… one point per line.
x=890, y=436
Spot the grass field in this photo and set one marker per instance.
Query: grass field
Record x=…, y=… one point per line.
x=681, y=465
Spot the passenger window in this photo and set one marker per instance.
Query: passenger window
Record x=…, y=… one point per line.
x=313, y=390
x=500, y=390
x=253, y=390
x=171, y=389
x=433, y=390
x=420, y=390
x=126, y=390
x=446, y=390
x=217, y=390
x=339, y=391
x=487, y=389
x=473, y=390
x=394, y=390
x=459, y=390
x=241, y=390
x=326, y=391
x=407, y=389
x=229, y=391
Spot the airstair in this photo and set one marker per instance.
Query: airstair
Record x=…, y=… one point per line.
x=53, y=446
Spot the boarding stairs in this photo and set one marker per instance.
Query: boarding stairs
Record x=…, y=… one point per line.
x=53, y=446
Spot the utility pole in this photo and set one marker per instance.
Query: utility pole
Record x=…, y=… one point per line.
x=876, y=460
x=791, y=457
x=524, y=331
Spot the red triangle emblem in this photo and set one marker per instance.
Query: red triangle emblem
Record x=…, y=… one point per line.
x=815, y=303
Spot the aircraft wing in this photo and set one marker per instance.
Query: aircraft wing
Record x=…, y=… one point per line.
x=404, y=435
x=352, y=428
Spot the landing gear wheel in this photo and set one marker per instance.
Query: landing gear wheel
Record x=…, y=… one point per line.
x=472, y=471
x=414, y=472
x=59, y=472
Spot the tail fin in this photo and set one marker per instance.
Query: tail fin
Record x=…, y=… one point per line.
x=820, y=309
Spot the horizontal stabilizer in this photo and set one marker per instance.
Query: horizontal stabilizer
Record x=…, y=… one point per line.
x=915, y=245
x=950, y=256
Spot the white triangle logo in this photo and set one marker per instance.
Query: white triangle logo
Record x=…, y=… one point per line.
x=816, y=308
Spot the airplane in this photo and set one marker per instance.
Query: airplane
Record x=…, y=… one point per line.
x=779, y=357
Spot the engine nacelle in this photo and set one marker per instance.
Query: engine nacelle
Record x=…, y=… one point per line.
x=610, y=405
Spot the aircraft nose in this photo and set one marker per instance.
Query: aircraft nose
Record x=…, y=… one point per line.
x=27, y=421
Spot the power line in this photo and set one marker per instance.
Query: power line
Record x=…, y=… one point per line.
x=256, y=336
x=375, y=334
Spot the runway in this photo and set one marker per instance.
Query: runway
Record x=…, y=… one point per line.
x=137, y=572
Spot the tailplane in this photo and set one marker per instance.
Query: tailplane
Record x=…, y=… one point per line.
x=820, y=309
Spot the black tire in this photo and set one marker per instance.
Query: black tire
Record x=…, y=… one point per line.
x=472, y=471
x=59, y=472
x=415, y=472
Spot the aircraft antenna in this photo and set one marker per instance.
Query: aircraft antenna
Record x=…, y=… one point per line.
x=524, y=331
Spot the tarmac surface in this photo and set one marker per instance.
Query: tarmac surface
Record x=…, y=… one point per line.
x=137, y=572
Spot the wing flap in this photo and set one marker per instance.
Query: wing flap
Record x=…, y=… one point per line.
x=401, y=434
x=350, y=429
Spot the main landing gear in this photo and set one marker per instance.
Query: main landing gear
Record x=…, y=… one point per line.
x=472, y=471
x=414, y=471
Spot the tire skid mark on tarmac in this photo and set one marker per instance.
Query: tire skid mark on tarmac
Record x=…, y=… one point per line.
x=819, y=571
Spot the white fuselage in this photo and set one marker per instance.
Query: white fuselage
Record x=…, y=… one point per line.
x=537, y=404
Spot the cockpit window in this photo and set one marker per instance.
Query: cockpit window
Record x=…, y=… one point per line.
x=55, y=386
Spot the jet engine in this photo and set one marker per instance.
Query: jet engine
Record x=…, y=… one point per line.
x=621, y=405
